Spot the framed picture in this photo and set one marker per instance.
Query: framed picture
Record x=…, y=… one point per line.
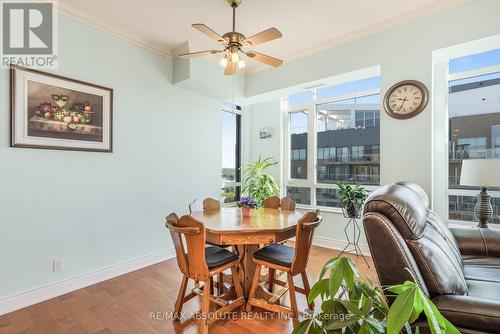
x=53, y=112
x=265, y=133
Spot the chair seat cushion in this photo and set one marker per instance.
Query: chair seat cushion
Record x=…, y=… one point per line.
x=476, y=314
x=482, y=268
x=217, y=256
x=276, y=253
x=484, y=290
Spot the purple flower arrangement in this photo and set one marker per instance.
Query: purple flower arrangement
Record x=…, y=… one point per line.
x=247, y=202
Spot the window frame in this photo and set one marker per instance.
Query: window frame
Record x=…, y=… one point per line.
x=466, y=192
x=312, y=126
x=236, y=110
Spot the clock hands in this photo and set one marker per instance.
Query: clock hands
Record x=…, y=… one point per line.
x=402, y=103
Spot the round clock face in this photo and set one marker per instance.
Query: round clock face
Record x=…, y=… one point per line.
x=406, y=99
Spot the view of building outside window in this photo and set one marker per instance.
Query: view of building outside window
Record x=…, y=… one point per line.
x=346, y=140
x=298, y=147
x=230, y=155
x=474, y=127
x=348, y=132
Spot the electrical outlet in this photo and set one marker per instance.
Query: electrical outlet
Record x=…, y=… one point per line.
x=58, y=265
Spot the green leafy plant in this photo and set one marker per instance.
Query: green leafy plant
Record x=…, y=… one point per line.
x=352, y=197
x=351, y=304
x=256, y=183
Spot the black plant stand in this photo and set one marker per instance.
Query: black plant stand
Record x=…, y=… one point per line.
x=352, y=246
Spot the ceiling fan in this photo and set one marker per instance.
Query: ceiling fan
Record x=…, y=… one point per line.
x=234, y=42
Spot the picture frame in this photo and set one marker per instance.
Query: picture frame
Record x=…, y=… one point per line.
x=265, y=133
x=50, y=111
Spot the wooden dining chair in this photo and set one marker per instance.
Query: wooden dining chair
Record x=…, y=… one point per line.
x=272, y=202
x=211, y=204
x=291, y=260
x=195, y=205
x=201, y=263
x=287, y=204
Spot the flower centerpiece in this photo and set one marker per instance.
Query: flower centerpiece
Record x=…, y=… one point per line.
x=246, y=204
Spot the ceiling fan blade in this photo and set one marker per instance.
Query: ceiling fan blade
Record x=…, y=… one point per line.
x=207, y=31
x=264, y=36
x=230, y=68
x=268, y=60
x=199, y=53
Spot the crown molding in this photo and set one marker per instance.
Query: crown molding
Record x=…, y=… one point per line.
x=68, y=10
x=371, y=29
x=404, y=17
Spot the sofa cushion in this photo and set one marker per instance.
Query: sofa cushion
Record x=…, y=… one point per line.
x=417, y=190
x=403, y=206
x=483, y=289
x=435, y=222
x=441, y=269
x=482, y=268
x=468, y=312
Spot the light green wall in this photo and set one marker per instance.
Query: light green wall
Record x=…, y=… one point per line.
x=97, y=209
x=255, y=117
x=403, y=52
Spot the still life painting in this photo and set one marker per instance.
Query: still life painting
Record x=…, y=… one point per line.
x=55, y=112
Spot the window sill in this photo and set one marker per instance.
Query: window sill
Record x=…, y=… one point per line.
x=320, y=208
x=458, y=223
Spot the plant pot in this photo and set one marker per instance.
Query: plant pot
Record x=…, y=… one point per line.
x=246, y=212
x=350, y=210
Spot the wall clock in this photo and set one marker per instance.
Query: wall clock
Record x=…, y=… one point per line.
x=406, y=99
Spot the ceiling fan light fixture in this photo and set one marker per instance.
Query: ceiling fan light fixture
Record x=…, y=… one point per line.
x=223, y=62
x=234, y=42
x=235, y=57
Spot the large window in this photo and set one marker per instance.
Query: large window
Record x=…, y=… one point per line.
x=474, y=127
x=231, y=157
x=333, y=135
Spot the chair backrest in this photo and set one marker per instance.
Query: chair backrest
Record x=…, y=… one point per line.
x=287, y=204
x=303, y=240
x=195, y=205
x=211, y=204
x=272, y=202
x=193, y=263
x=409, y=242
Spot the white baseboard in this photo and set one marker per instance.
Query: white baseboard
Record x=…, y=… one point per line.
x=38, y=295
x=24, y=299
x=337, y=244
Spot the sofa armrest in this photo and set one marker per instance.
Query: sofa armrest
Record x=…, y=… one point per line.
x=477, y=241
x=470, y=312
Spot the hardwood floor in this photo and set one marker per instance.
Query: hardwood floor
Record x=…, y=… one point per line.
x=140, y=302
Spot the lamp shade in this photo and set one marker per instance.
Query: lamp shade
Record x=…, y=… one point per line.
x=480, y=173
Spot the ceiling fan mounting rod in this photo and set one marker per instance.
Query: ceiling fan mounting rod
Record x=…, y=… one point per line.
x=234, y=19
x=234, y=4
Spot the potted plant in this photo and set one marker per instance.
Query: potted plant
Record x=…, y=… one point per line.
x=351, y=304
x=256, y=183
x=247, y=204
x=352, y=198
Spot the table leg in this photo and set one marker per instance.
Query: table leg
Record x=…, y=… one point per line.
x=247, y=266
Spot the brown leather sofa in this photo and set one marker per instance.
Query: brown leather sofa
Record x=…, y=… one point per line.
x=458, y=268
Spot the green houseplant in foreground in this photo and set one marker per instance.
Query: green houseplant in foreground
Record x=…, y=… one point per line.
x=256, y=183
x=352, y=198
x=351, y=304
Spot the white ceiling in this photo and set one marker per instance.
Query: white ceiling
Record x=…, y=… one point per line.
x=308, y=26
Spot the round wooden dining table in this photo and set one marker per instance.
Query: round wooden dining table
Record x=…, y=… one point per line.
x=227, y=226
